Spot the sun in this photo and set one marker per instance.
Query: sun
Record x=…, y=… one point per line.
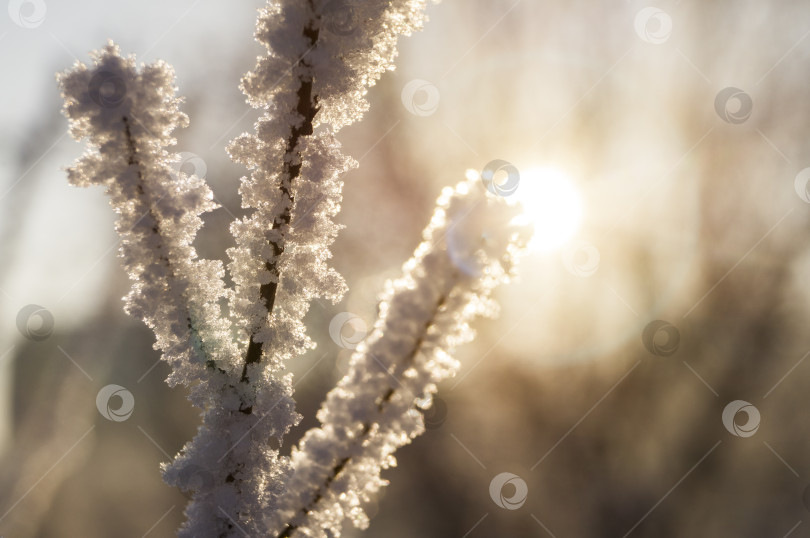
x=551, y=203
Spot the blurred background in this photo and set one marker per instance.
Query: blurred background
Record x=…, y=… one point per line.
x=647, y=374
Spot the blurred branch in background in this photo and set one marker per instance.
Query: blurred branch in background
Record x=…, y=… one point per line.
x=16, y=200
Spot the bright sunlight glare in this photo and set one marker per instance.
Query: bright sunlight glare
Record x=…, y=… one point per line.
x=550, y=203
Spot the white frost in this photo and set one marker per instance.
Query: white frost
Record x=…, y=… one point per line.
x=322, y=57
x=468, y=249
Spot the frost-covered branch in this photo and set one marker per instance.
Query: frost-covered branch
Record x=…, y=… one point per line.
x=305, y=108
x=311, y=82
x=468, y=249
x=128, y=117
x=322, y=56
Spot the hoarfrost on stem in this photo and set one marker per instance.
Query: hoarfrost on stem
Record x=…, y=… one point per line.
x=322, y=56
x=310, y=83
x=470, y=246
x=128, y=116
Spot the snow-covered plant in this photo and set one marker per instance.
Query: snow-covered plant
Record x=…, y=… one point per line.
x=229, y=346
x=469, y=247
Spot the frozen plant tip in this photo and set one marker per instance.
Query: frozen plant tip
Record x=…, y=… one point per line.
x=470, y=246
x=230, y=346
x=128, y=116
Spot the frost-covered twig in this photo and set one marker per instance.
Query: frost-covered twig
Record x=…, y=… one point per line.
x=310, y=84
x=322, y=57
x=128, y=117
x=468, y=249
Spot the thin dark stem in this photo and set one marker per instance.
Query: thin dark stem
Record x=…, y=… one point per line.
x=383, y=401
x=307, y=107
